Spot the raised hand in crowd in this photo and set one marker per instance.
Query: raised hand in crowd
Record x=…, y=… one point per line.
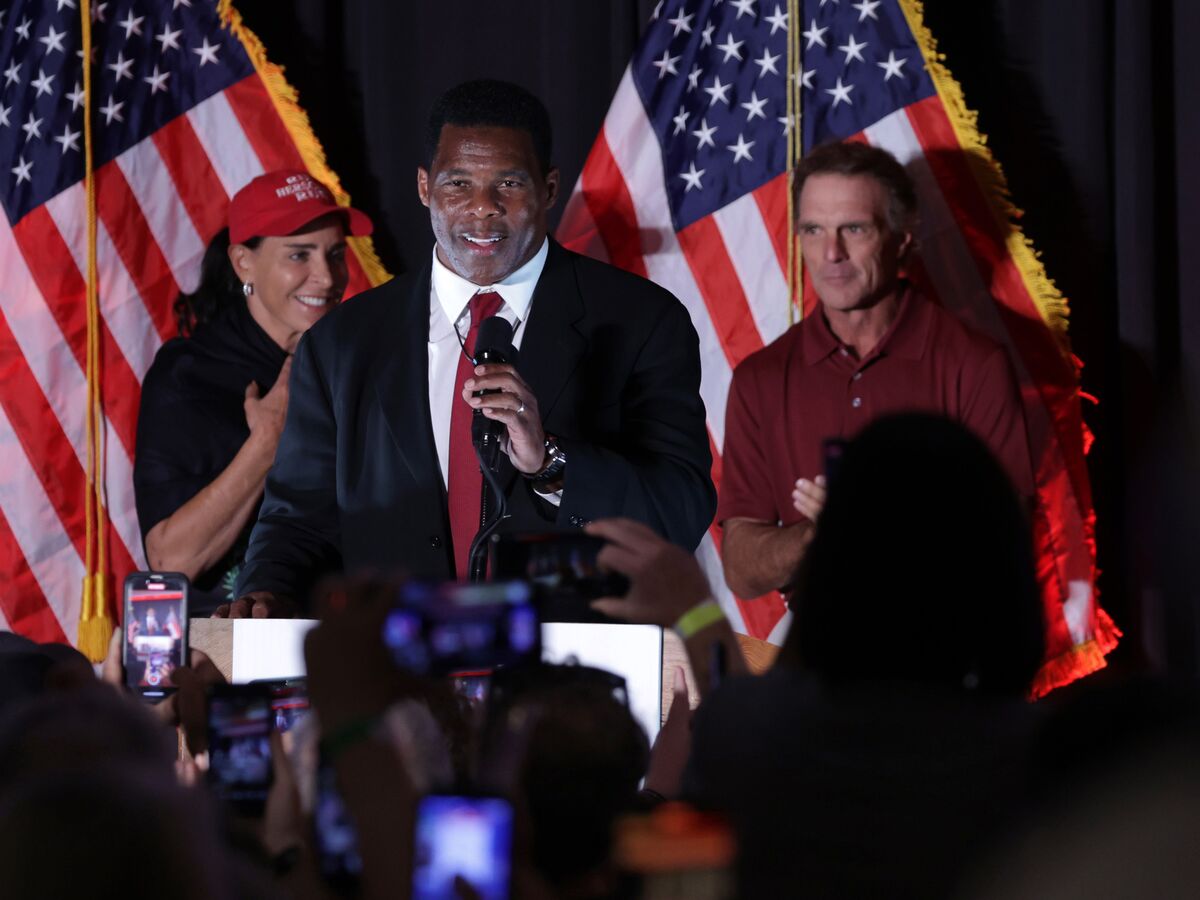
x=352, y=682
x=665, y=580
x=667, y=588
x=673, y=746
x=187, y=706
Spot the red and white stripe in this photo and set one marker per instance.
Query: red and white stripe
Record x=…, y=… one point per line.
x=730, y=271
x=725, y=269
x=953, y=246
x=975, y=258
x=158, y=204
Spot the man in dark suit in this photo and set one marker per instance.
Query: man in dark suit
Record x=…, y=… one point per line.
x=603, y=417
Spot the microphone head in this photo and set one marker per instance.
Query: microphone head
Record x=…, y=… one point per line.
x=493, y=342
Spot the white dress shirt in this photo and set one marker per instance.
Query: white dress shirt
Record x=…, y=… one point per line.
x=449, y=307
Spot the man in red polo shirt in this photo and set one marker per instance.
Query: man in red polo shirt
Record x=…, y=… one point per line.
x=873, y=346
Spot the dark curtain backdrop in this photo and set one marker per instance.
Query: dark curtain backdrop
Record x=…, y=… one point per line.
x=1090, y=106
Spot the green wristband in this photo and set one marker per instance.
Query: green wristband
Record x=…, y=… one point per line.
x=698, y=618
x=348, y=735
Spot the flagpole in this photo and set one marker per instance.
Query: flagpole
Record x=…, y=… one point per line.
x=95, y=620
x=795, y=66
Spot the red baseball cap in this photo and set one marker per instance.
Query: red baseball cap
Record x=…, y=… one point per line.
x=284, y=201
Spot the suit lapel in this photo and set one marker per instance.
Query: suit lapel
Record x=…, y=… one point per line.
x=402, y=381
x=552, y=346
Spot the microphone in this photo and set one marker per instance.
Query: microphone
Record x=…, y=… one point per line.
x=493, y=344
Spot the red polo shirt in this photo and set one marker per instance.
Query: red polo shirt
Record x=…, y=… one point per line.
x=787, y=398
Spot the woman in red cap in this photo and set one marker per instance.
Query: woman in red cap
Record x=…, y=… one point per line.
x=213, y=402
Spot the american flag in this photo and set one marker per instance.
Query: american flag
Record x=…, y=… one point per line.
x=687, y=185
x=185, y=110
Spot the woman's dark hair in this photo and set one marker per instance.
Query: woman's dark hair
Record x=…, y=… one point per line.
x=218, y=288
x=922, y=566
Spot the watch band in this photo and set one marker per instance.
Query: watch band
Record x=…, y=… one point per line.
x=555, y=464
x=358, y=730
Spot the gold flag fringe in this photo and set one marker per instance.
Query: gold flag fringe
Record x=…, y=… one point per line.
x=295, y=119
x=1046, y=295
x=96, y=621
x=1082, y=659
x=1088, y=656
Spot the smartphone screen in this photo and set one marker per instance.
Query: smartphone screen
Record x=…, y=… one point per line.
x=337, y=853
x=240, y=718
x=472, y=688
x=289, y=705
x=155, y=625
x=467, y=837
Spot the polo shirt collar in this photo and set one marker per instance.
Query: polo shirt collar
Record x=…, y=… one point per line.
x=905, y=338
x=454, y=292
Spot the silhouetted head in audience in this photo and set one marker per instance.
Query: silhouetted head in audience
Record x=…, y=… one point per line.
x=78, y=730
x=28, y=668
x=581, y=755
x=921, y=569
x=109, y=832
x=1118, y=796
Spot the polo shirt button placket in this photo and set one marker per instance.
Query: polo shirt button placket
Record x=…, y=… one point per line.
x=856, y=401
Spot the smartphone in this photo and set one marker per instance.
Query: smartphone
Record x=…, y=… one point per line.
x=462, y=836
x=560, y=565
x=155, y=622
x=461, y=629
x=833, y=449
x=240, y=719
x=336, y=844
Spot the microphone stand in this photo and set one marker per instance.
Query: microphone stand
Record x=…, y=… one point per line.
x=486, y=452
x=493, y=344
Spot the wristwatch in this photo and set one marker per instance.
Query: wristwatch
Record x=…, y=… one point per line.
x=552, y=470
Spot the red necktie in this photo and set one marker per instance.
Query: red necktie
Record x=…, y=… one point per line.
x=466, y=481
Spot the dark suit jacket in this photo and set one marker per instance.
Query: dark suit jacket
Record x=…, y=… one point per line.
x=614, y=362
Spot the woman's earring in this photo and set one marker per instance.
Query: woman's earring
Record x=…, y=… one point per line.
x=247, y=288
